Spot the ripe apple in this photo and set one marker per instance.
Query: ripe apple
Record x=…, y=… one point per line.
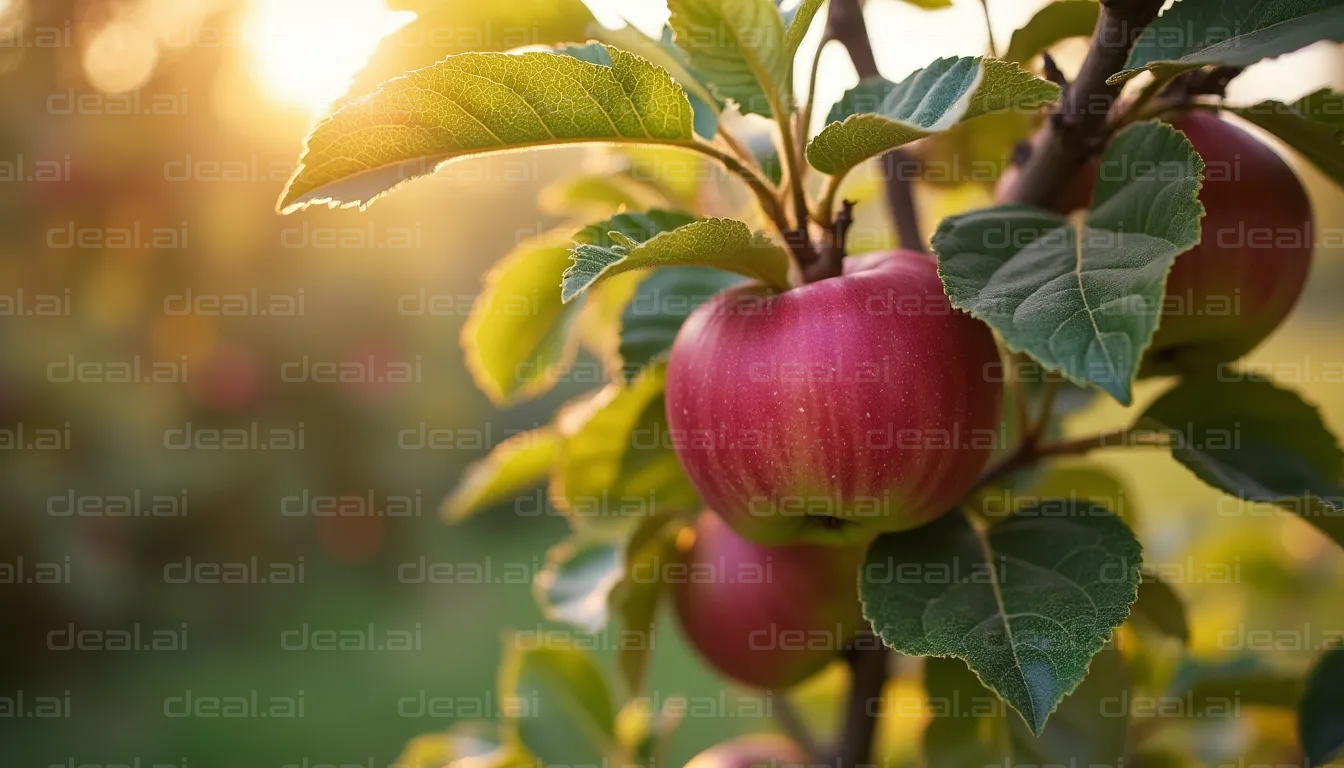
x=758, y=749
x=1229, y=292
x=838, y=410
x=769, y=617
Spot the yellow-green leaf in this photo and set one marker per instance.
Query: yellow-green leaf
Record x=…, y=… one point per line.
x=514, y=465
x=519, y=330
x=477, y=103
x=619, y=466
x=561, y=709
x=737, y=46
x=722, y=243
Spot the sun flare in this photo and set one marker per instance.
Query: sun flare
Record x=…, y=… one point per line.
x=306, y=51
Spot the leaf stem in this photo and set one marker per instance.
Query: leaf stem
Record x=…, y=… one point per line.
x=989, y=30
x=765, y=193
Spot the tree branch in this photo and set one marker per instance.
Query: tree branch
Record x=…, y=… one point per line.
x=867, y=659
x=1079, y=127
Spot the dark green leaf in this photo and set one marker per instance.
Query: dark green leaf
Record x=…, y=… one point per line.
x=1089, y=728
x=1256, y=442
x=1026, y=604
x=1160, y=607
x=1312, y=125
x=1082, y=296
x=661, y=303
x=474, y=103
x=1321, y=713
x=1056, y=21
x=878, y=115
x=637, y=597
x=722, y=243
x=1234, y=33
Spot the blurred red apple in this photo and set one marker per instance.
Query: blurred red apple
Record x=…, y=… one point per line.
x=769, y=750
x=1225, y=295
x=769, y=617
x=837, y=410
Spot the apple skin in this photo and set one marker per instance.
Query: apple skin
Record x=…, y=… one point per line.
x=761, y=749
x=769, y=617
x=838, y=410
x=1229, y=292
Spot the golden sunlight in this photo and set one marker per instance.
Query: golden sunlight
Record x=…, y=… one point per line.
x=306, y=51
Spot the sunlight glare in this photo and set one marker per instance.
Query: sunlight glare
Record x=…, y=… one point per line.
x=306, y=51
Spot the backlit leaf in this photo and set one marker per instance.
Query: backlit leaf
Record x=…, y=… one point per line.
x=513, y=466
x=737, y=46
x=1056, y=21
x=476, y=103
x=579, y=575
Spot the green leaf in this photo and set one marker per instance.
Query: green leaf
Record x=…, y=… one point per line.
x=969, y=727
x=515, y=465
x=661, y=303
x=1223, y=687
x=722, y=243
x=1026, y=604
x=878, y=115
x=1321, y=713
x=475, y=103
x=1082, y=295
x=447, y=27
x=1160, y=607
x=1256, y=442
x=1232, y=33
x=563, y=712
x=472, y=740
x=1056, y=21
x=637, y=597
x=518, y=333
x=738, y=47
x=1313, y=125
x=798, y=26
x=578, y=578
x=664, y=53
x=619, y=467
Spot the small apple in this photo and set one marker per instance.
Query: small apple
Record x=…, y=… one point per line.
x=1229, y=292
x=769, y=617
x=759, y=750
x=838, y=410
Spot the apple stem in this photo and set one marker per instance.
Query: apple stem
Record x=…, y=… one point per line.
x=1079, y=127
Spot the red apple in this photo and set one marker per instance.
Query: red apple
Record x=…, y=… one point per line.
x=838, y=410
x=1225, y=295
x=769, y=617
x=754, y=751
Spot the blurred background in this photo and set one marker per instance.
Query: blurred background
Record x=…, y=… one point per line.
x=152, y=303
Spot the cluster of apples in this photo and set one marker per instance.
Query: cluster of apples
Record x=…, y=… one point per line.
x=823, y=416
